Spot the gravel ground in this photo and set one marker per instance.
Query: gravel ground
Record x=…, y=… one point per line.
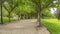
x=23, y=27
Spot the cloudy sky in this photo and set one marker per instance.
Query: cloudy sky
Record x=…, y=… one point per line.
x=53, y=10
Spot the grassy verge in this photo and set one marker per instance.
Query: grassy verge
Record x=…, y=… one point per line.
x=6, y=20
x=53, y=25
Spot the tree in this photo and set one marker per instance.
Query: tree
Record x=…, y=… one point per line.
x=17, y=12
x=58, y=14
x=10, y=5
x=41, y=5
x=58, y=11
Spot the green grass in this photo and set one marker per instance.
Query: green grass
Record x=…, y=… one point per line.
x=53, y=25
x=6, y=20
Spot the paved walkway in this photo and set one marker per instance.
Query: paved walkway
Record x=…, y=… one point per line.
x=23, y=27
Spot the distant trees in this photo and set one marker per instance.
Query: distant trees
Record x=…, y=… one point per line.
x=27, y=9
x=58, y=14
x=58, y=9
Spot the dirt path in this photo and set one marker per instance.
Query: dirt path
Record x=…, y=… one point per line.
x=23, y=27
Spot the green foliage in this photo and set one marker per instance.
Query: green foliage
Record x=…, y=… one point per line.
x=46, y=13
x=5, y=13
x=27, y=8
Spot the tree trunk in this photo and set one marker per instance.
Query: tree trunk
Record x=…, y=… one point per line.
x=24, y=16
x=39, y=17
x=9, y=17
x=19, y=16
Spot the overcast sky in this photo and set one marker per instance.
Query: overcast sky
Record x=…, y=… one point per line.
x=53, y=10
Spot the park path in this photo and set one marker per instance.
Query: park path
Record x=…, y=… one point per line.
x=23, y=27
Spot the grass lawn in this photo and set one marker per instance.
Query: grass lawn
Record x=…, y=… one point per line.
x=53, y=25
x=6, y=20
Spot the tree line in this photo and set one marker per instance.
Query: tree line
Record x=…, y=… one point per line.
x=28, y=9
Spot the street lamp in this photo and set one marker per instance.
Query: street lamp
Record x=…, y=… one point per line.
x=1, y=13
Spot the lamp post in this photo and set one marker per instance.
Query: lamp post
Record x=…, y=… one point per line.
x=1, y=13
